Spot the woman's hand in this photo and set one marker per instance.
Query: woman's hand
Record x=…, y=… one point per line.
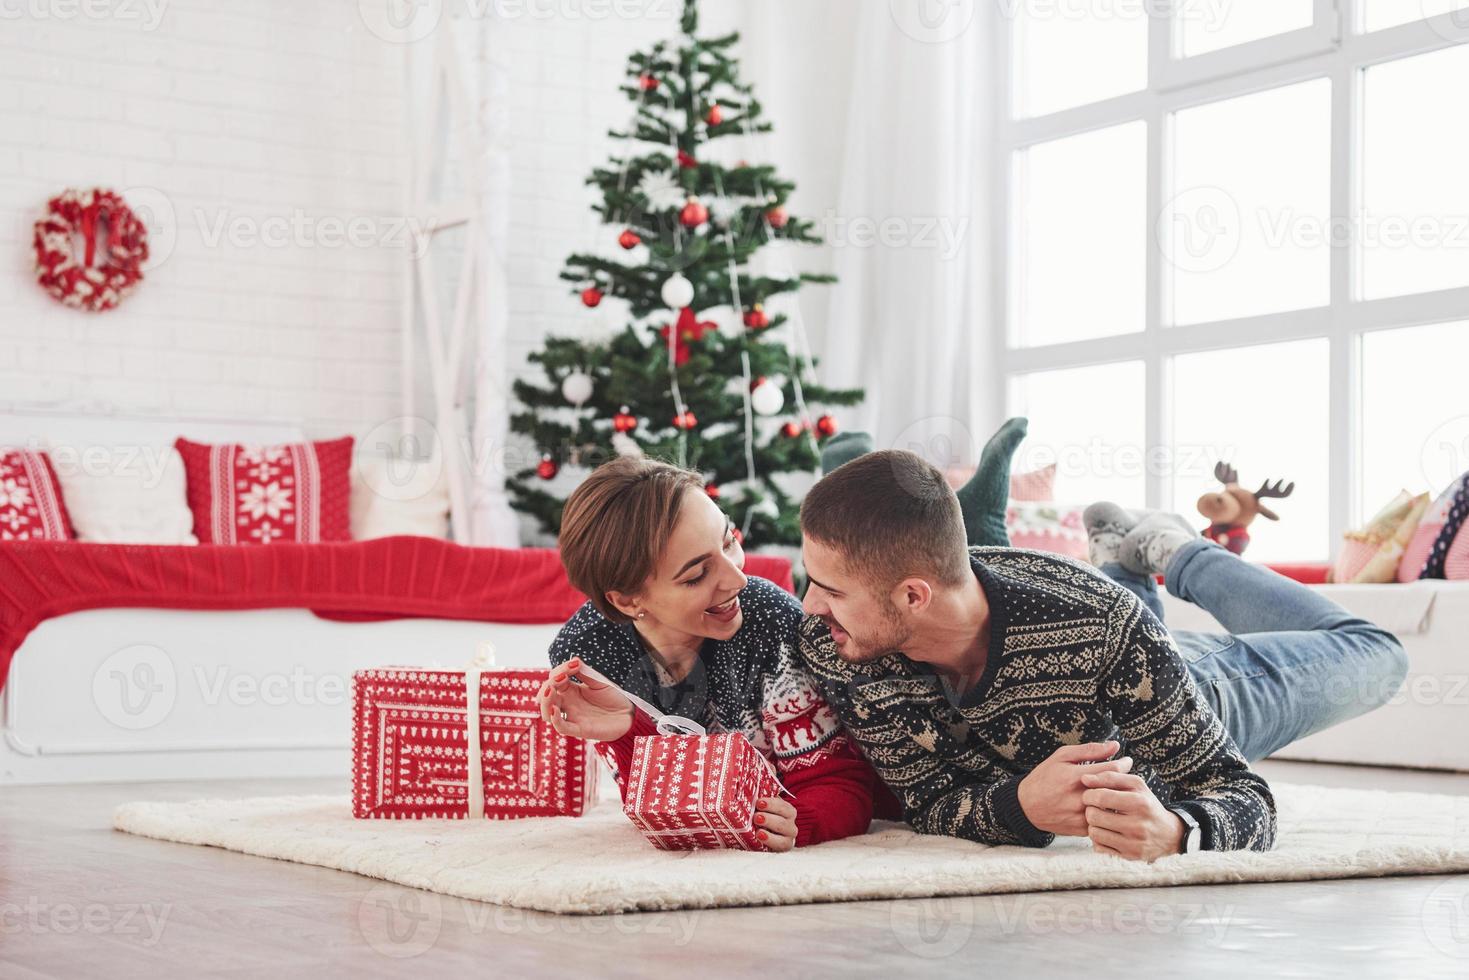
x=775, y=820
x=579, y=702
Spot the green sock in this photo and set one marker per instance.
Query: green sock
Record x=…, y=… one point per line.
x=984, y=498
x=843, y=448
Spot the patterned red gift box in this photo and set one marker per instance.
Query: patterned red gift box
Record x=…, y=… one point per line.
x=411, y=747
x=687, y=792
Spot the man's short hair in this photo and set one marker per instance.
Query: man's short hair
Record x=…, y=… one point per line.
x=891, y=515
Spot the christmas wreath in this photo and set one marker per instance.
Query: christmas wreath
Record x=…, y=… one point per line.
x=90, y=281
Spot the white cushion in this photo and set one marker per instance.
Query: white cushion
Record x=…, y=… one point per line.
x=130, y=494
x=392, y=496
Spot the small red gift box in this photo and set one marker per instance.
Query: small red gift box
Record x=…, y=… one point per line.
x=687, y=792
x=412, y=743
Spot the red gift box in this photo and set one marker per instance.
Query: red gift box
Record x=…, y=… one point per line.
x=687, y=792
x=411, y=745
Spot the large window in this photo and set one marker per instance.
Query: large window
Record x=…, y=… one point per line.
x=1239, y=231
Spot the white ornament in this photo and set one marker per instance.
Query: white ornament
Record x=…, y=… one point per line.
x=766, y=507
x=678, y=292
x=626, y=445
x=767, y=398
x=661, y=190
x=577, y=388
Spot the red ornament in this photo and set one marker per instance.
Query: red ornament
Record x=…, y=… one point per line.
x=791, y=430
x=688, y=330
x=756, y=319
x=629, y=239
x=624, y=421
x=647, y=82
x=777, y=217
x=712, y=489
x=685, y=421
x=90, y=281
x=826, y=426
x=591, y=296
x=686, y=160
x=547, y=469
x=715, y=115
x=693, y=214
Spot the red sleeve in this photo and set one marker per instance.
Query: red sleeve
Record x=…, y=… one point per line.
x=833, y=794
x=618, y=753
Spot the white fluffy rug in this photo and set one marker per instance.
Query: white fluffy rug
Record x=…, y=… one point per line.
x=599, y=863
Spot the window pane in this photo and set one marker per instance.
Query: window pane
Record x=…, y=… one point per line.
x=1415, y=201
x=1377, y=14
x=1082, y=236
x=1208, y=25
x=1089, y=422
x=1074, y=53
x=1246, y=230
x=1415, y=417
x=1264, y=411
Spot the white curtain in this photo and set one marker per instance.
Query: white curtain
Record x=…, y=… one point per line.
x=911, y=317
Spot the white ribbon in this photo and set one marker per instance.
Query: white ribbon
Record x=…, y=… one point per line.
x=484, y=659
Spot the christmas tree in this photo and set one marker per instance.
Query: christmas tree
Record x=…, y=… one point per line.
x=697, y=375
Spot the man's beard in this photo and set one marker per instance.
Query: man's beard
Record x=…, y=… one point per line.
x=864, y=650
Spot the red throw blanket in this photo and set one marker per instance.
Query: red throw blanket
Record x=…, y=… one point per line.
x=355, y=580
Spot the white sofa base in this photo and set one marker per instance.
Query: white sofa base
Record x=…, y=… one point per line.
x=143, y=694
x=1426, y=725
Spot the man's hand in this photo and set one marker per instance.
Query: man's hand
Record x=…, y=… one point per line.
x=1125, y=818
x=590, y=706
x=1050, y=794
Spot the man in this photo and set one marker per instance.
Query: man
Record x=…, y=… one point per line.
x=1011, y=696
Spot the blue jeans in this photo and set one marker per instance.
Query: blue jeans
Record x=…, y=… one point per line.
x=1293, y=662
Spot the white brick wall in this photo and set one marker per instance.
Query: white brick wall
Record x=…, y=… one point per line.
x=241, y=114
x=238, y=118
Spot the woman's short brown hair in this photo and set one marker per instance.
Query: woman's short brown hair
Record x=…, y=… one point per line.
x=617, y=523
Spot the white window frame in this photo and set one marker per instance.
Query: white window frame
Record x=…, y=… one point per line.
x=1332, y=48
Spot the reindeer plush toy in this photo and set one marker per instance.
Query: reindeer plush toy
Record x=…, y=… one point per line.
x=1231, y=511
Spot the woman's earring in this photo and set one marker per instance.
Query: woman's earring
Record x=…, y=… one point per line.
x=643, y=614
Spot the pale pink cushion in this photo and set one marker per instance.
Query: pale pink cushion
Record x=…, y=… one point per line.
x=1036, y=485
x=1046, y=526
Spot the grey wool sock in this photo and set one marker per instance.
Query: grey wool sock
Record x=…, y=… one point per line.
x=843, y=448
x=984, y=498
x=1149, y=547
x=1106, y=525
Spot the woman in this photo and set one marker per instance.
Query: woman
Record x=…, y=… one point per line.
x=674, y=621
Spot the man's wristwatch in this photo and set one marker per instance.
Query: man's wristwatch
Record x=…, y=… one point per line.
x=1193, y=834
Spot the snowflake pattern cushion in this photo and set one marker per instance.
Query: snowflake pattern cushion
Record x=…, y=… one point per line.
x=31, y=508
x=241, y=494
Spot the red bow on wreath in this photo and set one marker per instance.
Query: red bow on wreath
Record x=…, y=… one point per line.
x=688, y=330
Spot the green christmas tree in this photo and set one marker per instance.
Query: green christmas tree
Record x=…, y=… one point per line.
x=686, y=227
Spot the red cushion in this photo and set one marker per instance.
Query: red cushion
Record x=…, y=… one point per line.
x=296, y=492
x=1307, y=572
x=31, y=508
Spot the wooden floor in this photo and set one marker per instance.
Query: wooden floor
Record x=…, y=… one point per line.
x=80, y=900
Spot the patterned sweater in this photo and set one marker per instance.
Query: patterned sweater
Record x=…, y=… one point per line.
x=751, y=684
x=1073, y=658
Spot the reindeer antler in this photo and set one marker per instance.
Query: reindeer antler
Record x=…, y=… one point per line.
x=1225, y=473
x=1267, y=489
